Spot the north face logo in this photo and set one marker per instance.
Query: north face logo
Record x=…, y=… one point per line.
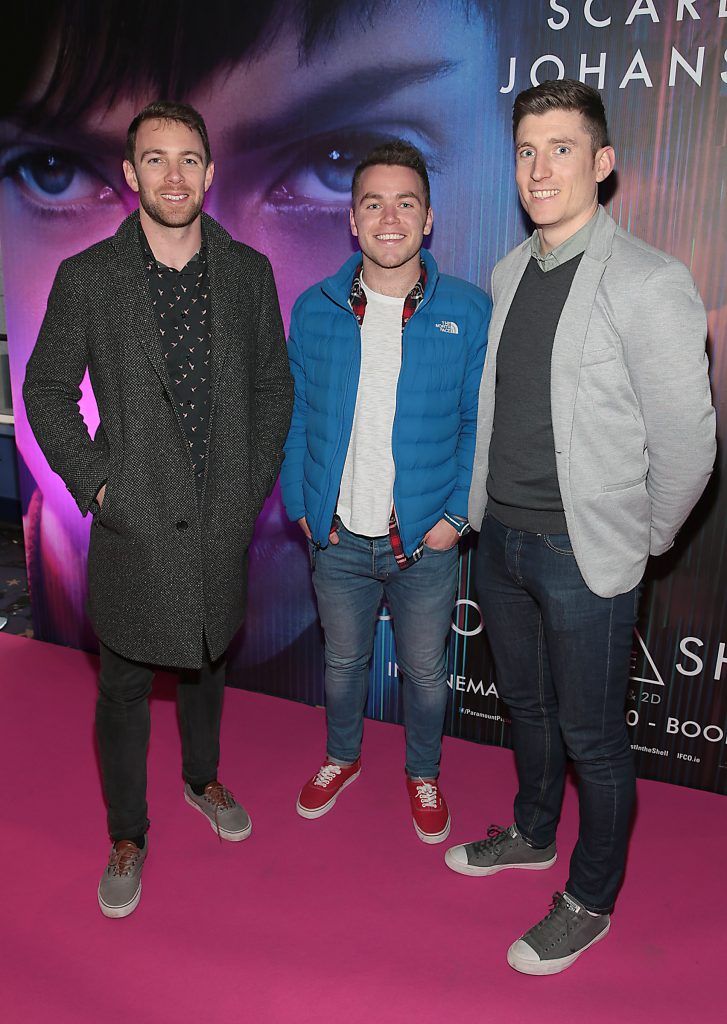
x=447, y=327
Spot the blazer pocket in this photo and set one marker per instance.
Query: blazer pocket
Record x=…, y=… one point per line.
x=600, y=355
x=625, y=485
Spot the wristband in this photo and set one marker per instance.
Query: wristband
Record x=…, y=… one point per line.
x=462, y=526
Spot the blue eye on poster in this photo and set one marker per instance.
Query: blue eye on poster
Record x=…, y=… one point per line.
x=291, y=104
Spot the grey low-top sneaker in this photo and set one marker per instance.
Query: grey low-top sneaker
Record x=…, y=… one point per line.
x=119, y=890
x=559, y=939
x=229, y=819
x=503, y=848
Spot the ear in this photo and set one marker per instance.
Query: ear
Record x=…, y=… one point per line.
x=429, y=221
x=130, y=175
x=352, y=222
x=605, y=162
x=209, y=174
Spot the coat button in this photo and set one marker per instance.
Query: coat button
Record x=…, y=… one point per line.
x=182, y=524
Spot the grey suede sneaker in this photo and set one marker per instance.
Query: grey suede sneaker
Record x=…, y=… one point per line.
x=559, y=939
x=119, y=890
x=228, y=818
x=503, y=848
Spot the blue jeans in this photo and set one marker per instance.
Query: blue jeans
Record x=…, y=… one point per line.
x=562, y=659
x=350, y=579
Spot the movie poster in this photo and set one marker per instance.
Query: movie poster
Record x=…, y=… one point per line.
x=294, y=94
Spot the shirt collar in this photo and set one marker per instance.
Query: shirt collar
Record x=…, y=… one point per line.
x=573, y=246
x=415, y=295
x=192, y=265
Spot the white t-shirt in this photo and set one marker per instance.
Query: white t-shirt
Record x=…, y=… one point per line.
x=367, y=485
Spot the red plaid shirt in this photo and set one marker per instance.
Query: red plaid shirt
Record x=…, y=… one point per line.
x=357, y=302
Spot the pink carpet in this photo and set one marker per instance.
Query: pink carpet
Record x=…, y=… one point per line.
x=347, y=919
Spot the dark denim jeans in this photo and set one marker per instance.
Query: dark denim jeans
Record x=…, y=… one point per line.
x=350, y=579
x=562, y=660
x=122, y=731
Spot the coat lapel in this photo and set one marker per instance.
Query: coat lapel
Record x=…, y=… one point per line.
x=130, y=283
x=225, y=287
x=129, y=280
x=570, y=336
x=232, y=300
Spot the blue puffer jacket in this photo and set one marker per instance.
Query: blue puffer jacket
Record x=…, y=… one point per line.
x=433, y=438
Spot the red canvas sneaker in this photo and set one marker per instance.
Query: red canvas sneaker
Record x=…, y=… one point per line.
x=429, y=810
x=320, y=793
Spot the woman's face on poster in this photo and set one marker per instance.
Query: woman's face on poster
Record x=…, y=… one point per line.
x=285, y=135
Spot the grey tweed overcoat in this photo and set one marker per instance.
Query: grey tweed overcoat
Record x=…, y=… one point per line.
x=166, y=571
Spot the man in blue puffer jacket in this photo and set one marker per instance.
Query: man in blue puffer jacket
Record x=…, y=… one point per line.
x=387, y=356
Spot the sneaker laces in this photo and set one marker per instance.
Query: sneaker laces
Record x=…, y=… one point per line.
x=326, y=774
x=496, y=836
x=221, y=800
x=560, y=918
x=123, y=857
x=427, y=794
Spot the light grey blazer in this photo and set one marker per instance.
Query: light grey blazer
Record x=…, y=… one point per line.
x=633, y=422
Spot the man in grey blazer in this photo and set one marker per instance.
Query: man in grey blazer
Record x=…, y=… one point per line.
x=180, y=330
x=596, y=436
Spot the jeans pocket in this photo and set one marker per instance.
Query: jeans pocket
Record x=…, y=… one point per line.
x=439, y=551
x=559, y=543
x=312, y=552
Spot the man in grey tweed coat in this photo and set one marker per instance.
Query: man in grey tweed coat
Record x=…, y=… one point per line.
x=180, y=330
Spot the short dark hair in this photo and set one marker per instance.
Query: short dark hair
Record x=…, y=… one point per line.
x=88, y=47
x=564, y=94
x=165, y=110
x=395, y=153
x=103, y=53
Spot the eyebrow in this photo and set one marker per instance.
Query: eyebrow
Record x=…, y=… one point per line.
x=399, y=195
x=550, y=142
x=163, y=152
x=70, y=139
x=358, y=89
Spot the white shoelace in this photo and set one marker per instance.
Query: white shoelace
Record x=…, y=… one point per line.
x=327, y=774
x=427, y=794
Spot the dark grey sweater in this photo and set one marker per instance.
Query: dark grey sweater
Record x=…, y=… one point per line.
x=522, y=484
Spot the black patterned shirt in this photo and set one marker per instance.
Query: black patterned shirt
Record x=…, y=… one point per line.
x=182, y=304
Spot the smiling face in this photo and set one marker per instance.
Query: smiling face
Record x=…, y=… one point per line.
x=390, y=218
x=169, y=173
x=557, y=173
x=287, y=135
x=287, y=132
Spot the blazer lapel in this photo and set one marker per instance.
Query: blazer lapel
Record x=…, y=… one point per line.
x=499, y=315
x=570, y=336
x=486, y=405
x=568, y=345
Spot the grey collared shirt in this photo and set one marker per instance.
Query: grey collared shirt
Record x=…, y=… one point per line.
x=572, y=246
